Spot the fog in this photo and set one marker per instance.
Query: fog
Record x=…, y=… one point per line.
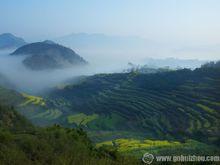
x=102, y=48
x=35, y=82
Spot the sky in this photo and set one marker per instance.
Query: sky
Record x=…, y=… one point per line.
x=196, y=20
x=184, y=21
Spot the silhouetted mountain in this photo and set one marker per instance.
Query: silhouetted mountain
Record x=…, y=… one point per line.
x=101, y=47
x=49, y=42
x=9, y=41
x=49, y=55
x=97, y=40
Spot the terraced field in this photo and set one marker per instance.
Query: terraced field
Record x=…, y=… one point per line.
x=37, y=109
x=174, y=105
x=167, y=112
x=32, y=100
x=137, y=148
x=81, y=118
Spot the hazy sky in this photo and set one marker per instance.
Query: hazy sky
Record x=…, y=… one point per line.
x=165, y=20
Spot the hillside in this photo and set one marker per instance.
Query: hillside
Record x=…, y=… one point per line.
x=5, y=82
x=9, y=41
x=38, y=110
x=12, y=121
x=133, y=113
x=48, y=55
x=169, y=105
x=21, y=143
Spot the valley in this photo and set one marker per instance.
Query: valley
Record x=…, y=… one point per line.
x=164, y=112
x=110, y=82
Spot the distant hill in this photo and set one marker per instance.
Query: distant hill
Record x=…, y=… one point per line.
x=145, y=69
x=48, y=55
x=9, y=41
x=173, y=63
x=99, y=40
x=102, y=47
x=136, y=49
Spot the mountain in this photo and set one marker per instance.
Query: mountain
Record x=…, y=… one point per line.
x=48, y=55
x=169, y=112
x=98, y=40
x=136, y=49
x=49, y=42
x=9, y=41
x=101, y=47
x=169, y=105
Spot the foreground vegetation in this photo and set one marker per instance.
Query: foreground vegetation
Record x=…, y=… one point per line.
x=22, y=143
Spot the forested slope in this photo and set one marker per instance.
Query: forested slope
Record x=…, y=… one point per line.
x=179, y=104
x=22, y=143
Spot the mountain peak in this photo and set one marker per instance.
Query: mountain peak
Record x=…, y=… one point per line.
x=7, y=34
x=49, y=42
x=8, y=41
x=48, y=55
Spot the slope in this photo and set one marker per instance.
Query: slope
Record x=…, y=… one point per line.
x=173, y=105
x=22, y=143
x=9, y=41
x=48, y=55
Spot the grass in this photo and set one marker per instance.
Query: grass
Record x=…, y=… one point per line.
x=111, y=121
x=49, y=114
x=32, y=100
x=205, y=108
x=128, y=145
x=81, y=118
x=137, y=147
x=212, y=102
